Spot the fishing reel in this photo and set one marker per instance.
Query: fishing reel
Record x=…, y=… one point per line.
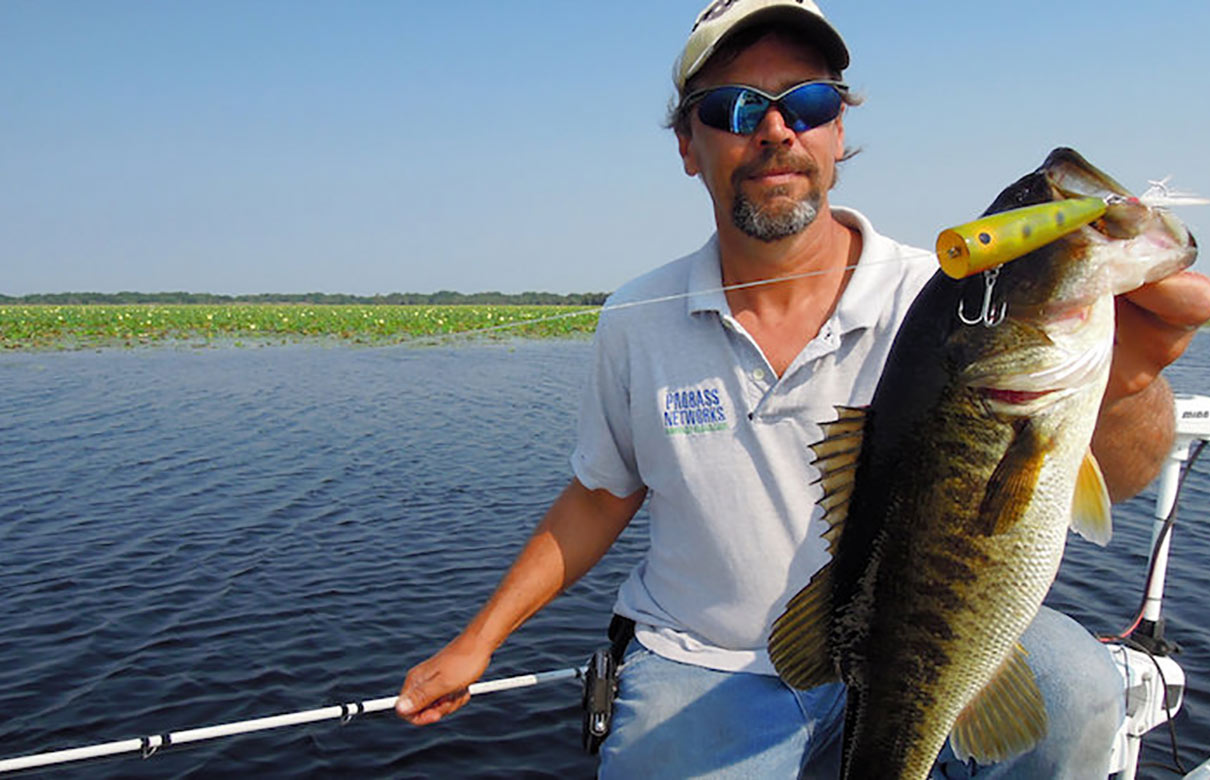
x=601, y=684
x=600, y=688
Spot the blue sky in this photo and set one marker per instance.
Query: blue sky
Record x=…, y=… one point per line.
x=372, y=147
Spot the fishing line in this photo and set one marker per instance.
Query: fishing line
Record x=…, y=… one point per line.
x=1158, y=195
x=922, y=255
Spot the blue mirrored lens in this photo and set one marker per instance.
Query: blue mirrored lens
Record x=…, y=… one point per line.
x=741, y=109
x=731, y=108
x=747, y=111
x=811, y=105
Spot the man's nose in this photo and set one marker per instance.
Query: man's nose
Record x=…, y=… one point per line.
x=773, y=130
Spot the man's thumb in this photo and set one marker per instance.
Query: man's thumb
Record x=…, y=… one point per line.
x=411, y=698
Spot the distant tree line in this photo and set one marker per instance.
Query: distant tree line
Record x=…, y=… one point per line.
x=439, y=298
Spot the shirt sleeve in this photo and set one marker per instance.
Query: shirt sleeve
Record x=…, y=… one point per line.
x=604, y=456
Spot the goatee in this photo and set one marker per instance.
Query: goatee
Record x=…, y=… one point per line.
x=773, y=221
x=769, y=224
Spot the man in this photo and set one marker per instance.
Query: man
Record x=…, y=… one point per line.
x=707, y=405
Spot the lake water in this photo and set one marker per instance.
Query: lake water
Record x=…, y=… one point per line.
x=196, y=536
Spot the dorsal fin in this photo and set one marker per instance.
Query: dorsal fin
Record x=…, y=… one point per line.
x=1090, y=513
x=798, y=643
x=1004, y=719
x=836, y=458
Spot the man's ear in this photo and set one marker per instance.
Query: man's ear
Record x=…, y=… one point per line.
x=688, y=153
x=840, y=133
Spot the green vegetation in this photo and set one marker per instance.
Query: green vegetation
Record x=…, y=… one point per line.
x=24, y=326
x=440, y=298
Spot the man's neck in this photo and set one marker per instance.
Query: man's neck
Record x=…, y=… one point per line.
x=814, y=260
x=782, y=317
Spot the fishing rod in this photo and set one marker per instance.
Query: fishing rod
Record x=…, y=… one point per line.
x=149, y=745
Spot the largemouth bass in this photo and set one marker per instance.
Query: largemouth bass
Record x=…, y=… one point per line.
x=949, y=498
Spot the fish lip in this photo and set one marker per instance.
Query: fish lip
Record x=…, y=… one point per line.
x=1071, y=176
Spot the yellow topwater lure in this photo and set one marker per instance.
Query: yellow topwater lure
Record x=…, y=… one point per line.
x=990, y=242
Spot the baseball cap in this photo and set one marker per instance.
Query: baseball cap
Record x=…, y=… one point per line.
x=723, y=18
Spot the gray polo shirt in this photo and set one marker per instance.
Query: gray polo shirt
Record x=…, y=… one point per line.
x=682, y=400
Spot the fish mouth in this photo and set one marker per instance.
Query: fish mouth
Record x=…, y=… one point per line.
x=1151, y=232
x=1138, y=243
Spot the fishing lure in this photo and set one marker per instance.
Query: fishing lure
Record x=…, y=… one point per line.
x=990, y=242
x=994, y=240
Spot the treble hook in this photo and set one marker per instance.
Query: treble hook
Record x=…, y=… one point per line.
x=989, y=318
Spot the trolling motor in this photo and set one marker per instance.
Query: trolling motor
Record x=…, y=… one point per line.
x=601, y=684
x=1192, y=425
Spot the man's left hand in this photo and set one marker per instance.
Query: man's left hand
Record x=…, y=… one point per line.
x=1134, y=433
x=1155, y=325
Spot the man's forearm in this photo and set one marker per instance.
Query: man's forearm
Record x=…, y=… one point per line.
x=577, y=530
x=1133, y=437
x=575, y=533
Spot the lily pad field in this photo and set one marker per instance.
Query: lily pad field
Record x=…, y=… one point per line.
x=30, y=327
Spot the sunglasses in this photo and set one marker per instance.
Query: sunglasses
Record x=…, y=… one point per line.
x=739, y=109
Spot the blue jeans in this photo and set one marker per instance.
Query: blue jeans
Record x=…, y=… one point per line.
x=676, y=720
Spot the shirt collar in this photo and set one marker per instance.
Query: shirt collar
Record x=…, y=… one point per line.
x=861, y=304
x=706, y=280
x=872, y=285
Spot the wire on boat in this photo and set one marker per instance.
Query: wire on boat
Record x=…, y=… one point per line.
x=149, y=745
x=1179, y=767
x=1169, y=521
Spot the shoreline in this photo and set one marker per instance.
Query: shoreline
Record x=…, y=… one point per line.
x=49, y=328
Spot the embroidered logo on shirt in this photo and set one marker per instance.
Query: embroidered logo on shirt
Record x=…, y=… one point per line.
x=693, y=410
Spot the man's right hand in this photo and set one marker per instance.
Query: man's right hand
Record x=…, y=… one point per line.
x=438, y=686
x=573, y=535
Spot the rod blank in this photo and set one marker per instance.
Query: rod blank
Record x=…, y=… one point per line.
x=149, y=745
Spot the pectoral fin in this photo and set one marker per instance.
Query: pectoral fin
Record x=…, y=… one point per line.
x=836, y=457
x=1004, y=719
x=1011, y=486
x=1090, y=513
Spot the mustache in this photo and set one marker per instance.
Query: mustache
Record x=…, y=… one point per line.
x=776, y=160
